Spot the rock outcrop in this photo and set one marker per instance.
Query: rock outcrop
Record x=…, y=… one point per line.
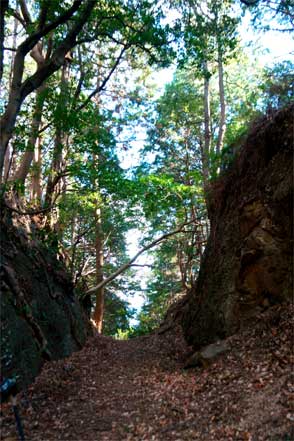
x=206, y=355
x=41, y=319
x=248, y=262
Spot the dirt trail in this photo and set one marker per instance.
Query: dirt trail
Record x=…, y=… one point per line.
x=138, y=390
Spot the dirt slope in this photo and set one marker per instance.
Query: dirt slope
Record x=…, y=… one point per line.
x=138, y=390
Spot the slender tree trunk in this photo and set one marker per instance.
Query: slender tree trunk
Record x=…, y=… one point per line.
x=8, y=154
x=99, y=308
x=27, y=159
x=99, y=239
x=3, y=9
x=57, y=166
x=222, y=120
x=73, y=244
x=7, y=164
x=36, y=189
x=207, y=122
x=182, y=267
x=8, y=120
x=15, y=28
x=8, y=159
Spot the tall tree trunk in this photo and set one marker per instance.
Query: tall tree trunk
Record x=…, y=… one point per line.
x=36, y=188
x=27, y=159
x=182, y=266
x=73, y=246
x=15, y=31
x=205, y=151
x=7, y=163
x=222, y=120
x=57, y=166
x=3, y=9
x=99, y=241
x=8, y=158
x=21, y=89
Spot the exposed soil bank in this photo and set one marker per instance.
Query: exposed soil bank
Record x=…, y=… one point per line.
x=248, y=263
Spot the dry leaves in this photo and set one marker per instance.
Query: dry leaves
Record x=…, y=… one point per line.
x=138, y=390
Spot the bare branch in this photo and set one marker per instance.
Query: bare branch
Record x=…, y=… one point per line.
x=88, y=273
x=12, y=49
x=17, y=15
x=81, y=235
x=25, y=12
x=106, y=79
x=29, y=212
x=142, y=266
x=124, y=267
x=45, y=127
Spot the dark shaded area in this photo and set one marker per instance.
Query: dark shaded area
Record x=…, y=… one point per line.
x=41, y=319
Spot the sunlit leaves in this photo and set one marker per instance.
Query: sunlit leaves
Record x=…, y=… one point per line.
x=278, y=85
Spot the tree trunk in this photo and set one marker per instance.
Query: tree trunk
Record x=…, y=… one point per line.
x=182, y=266
x=207, y=122
x=15, y=31
x=73, y=245
x=21, y=89
x=57, y=166
x=3, y=9
x=36, y=189
x=7, y=164
x=99, y=308
x=222, y=120
x=25, y=164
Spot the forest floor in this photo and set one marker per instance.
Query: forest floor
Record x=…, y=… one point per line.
x=138, y=390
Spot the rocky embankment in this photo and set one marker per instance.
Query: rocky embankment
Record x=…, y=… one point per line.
x=248, y=263
x=41, y=318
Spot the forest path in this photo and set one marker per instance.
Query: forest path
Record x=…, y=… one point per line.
x=137, y=390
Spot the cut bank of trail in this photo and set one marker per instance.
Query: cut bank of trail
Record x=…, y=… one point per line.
x=138, y=390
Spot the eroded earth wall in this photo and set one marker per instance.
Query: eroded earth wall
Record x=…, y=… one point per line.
x=248, y=263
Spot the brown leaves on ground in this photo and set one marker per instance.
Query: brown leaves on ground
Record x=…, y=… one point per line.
x=138, y=390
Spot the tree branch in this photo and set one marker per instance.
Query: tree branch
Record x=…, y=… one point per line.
x=30, y=42
x=249, y=2
x=142, y=266
x=106, y=79
x=124, y=267
x=45, y=127
x=58, y=55
x=3, y=9
x=29, y=212
x=25, y=12
x=43, y=15
x=19, y=91
x=16, y=15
